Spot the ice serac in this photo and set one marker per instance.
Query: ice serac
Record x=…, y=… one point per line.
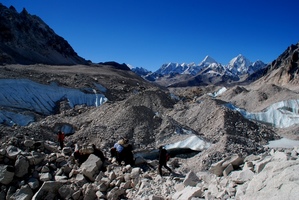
x=25, y=96
x=281, y=114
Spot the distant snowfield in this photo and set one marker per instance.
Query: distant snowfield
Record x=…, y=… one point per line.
x=20, y=95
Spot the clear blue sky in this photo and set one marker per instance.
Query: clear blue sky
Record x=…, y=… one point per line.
x=149, y=33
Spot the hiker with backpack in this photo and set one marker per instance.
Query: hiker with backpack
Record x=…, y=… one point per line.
x=163, y=158
x=60, y=138
x=122, y=151
x=116, y=150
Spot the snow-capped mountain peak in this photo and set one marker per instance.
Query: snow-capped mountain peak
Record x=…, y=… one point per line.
x=239, y=65
x=208, y=60
x=239, y=61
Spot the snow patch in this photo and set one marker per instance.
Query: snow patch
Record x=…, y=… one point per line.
x=219, y=92
x=283, y=143
x=194, y=143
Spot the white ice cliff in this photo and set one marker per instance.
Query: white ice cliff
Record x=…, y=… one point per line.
x=281, y=115
x=21, y=95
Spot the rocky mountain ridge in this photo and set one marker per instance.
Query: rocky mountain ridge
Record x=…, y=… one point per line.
x=26, y=39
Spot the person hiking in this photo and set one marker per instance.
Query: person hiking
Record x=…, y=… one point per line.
x=163, y=158
x=127, y=155
x=117, y=150
x=60, y=138
x=98, y=153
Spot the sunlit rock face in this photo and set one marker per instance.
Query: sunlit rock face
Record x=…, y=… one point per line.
x=19, y=99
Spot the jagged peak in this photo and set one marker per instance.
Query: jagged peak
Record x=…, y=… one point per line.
x=208, y=59
x=240, y=60
x=12, y=8
x=24, y=12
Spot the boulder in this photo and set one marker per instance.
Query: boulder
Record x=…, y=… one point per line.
x=188, y=193
x=259, y=165
x=21, y=166
x=278, y=180
x=90, y=168
x=45, y=177
x=135, y=172
x=241, y=177
x=235, y=161
x=228, y=170
x=67, y=151
x=13, y=152
x=90, y=193
x=66, y=191
x=24, y=193
x=33, y=183
x=48, y=190
x=191, y=179
x=115, y=193
x=28, y=143
x=6, y=174
x=36, y=158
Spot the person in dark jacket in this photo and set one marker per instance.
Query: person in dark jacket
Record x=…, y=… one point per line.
x=163, y=158
x=98, y=153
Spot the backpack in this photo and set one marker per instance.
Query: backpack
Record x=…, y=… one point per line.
x=167, y=157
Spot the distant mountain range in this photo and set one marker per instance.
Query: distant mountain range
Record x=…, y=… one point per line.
x=208, y=71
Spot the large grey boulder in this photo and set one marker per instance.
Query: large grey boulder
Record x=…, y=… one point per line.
x=191, y=179
x=241, y=177
x=12, y=152
x=33, y=183
x=6, y=174
x=36, y=158
x=24, y=193
x=28, y=143
x=219, y=167
x=188, y=193
x=278, y=180
x=90, y=168
x=66, y=191
x=49, y=190
x=21, y=166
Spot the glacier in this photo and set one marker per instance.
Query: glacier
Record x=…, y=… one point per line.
x=282, y=114
x=18, y=97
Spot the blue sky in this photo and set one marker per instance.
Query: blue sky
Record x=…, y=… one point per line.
x=149, y=33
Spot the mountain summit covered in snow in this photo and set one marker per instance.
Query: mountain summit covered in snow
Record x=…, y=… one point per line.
x=208, y=69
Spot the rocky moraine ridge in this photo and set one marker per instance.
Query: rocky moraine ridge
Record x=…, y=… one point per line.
x=33, y=169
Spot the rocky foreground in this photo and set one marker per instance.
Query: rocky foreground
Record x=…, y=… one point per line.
x=31, y=169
